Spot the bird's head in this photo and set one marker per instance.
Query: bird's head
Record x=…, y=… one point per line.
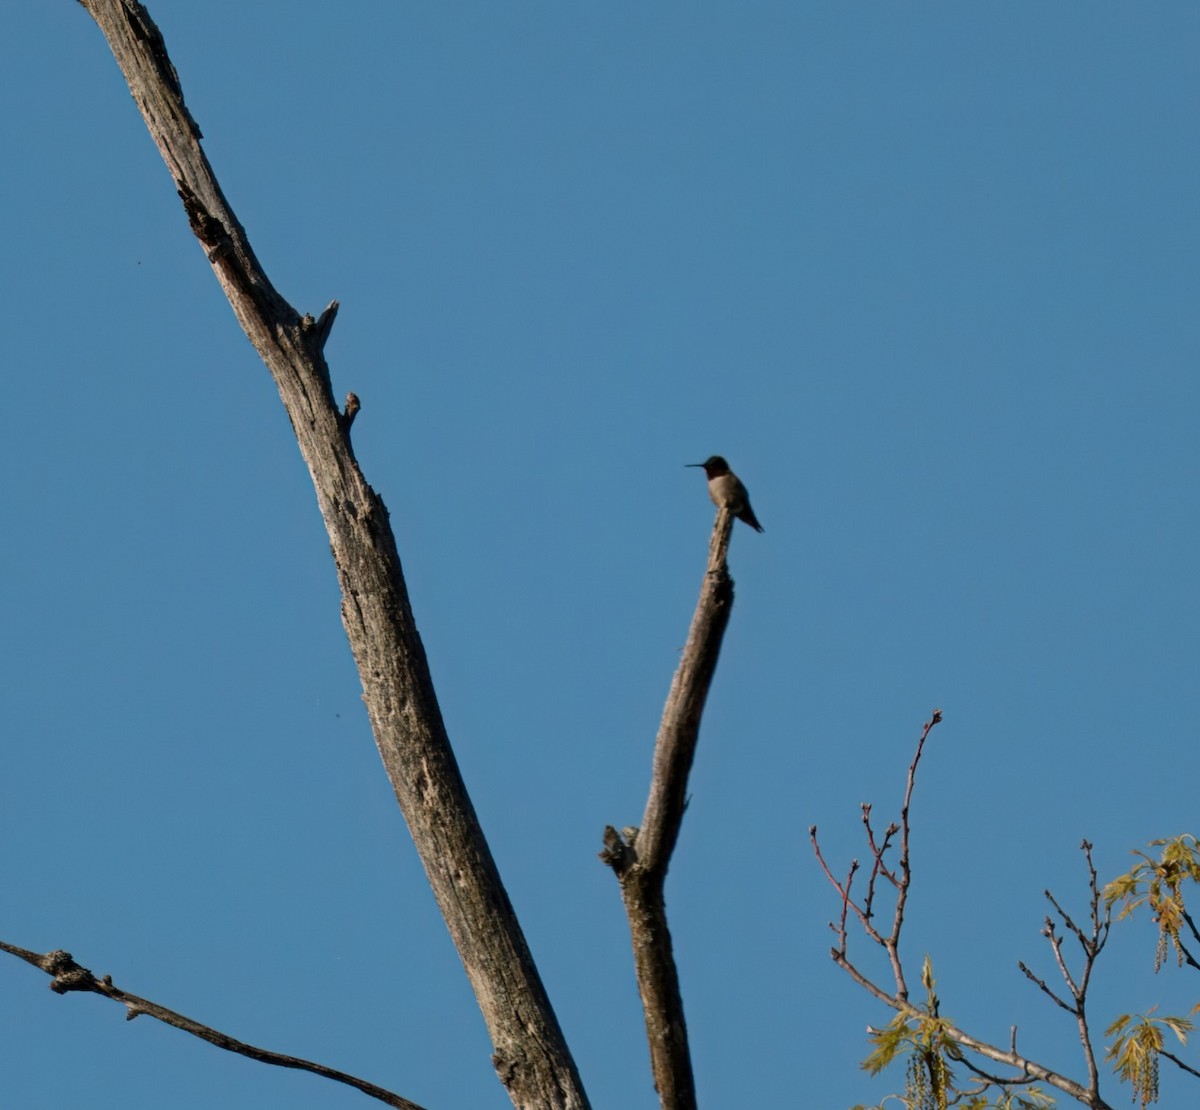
x=714, y=466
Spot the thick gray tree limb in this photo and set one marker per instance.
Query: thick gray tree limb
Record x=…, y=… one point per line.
x=530, y=1053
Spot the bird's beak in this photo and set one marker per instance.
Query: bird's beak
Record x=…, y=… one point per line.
x=692, y=464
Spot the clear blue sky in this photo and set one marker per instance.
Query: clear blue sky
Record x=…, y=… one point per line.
x=926, y=274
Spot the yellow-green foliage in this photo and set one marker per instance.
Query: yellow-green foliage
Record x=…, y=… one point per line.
x=1159, y=884
x=921, y=1037
x=1135, y=1051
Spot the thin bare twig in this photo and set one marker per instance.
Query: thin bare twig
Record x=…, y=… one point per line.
x=1188, y=958
x=1055, y=942
x=905, y=855
x=878, y=851
x=1044, y=987
x=990, y=1080
x=1178, y=1062
x=1091, y=941
x=843, y=890
x=67, y=975
x=1191, y=925
x=1067, y=921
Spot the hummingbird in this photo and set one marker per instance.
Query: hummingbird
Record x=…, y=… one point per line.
x=727, y=491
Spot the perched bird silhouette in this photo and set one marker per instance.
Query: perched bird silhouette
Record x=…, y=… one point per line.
x=727, y=491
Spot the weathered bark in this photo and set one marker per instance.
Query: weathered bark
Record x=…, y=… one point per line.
x=640, y=859
x=531, y=1055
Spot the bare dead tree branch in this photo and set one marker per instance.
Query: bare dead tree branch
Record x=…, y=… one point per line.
x=530, y=1053
x=67, y=975
x=640, y=859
